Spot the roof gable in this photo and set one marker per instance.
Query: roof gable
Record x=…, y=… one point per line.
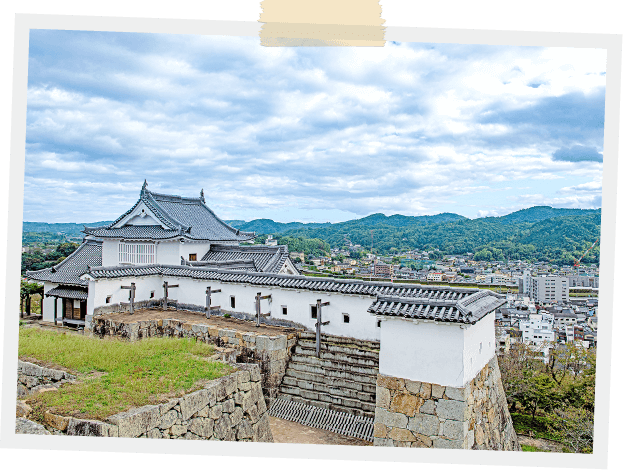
x=174, y=216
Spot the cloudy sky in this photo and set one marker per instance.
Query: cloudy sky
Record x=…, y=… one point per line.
x=308, y=134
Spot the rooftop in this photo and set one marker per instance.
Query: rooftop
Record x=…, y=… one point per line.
x=178, y=217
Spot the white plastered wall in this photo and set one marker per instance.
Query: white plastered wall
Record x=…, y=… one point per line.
x=110, y=252
x=426, y=351
x=188, y=247
x=168, y=252
x=362, y=325
x=48, y=302
x=479, y=345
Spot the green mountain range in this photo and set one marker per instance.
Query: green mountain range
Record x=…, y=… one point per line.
x=539, y=233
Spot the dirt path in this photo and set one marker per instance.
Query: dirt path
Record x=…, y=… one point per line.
x=289, y=432
x=543, y=444
x=192, y=317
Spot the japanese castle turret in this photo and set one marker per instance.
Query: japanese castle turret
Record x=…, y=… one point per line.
x=438, y=382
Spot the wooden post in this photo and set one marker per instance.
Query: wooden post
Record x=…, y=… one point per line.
x=258, y=310
x=166, y=293
x=132, y=288
x=55, y=311
x=209, y=293
x=165, y=305
x=319, y=323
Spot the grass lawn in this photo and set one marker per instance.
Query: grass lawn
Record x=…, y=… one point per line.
x=116, y=375
x=540, y=428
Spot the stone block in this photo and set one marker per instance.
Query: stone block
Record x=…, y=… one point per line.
x=223, y=429
x=442, y=443
x=154, y=434
x=380, y=430
x=243, y=376
x=136, y=421
x=216, y=411
x=398, y=434
x=236, y=416
x=53, y=374
x=437, y=391
x=382, y=397
x=85, y=427
x=244, y=430
x=228, y=406
x=32, y=369
x=231, y=385
x=195, y=401
x=424, y=424
x=455, y=429
x=255, y=373
x=390, y=419
x=25, y=426
x=422, y=440
x=56, y=421
x=413, y=386
x=203, y=427
x=22, y=409
x=261, y=430
x=380, y=442
x=244, y=386
x=428, y=407
x=178, y=429
x=253, y=414
x=452, y=409
x=391, y=383
x=479, y=435
x=453, y=393
x=405, y=403
x=426, y=390
x=31, y=381
x=261, y=406
x=168, y=419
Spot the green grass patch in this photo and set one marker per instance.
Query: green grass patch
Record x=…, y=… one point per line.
x=117, y=375
x=527, y=448
x=540, y=428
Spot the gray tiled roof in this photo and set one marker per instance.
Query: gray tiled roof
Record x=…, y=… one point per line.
x=468, y=309
x=268, y=259
x=67, y=293
x=345, y=286
x=183, y=216
x=71, y=268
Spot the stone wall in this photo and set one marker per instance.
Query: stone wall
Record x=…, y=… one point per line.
x=230, y=408
x=33, y=378
x=420, y=414
x=271, y=352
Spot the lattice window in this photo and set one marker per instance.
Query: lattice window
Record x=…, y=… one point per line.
x=137, y=253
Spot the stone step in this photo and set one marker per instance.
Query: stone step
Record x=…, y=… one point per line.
x=354, y=408
x=334, y=390
x=337, y=349
x=356, y=385
x=341, y=340
x=337, y=365
x=319, y=369
x=304, y=350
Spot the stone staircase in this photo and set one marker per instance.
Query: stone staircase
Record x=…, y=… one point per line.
x=342, y=379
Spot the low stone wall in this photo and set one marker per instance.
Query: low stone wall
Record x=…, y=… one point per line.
x=420, y=414
x=272, y=352
x=33, y=378
x=230, y=408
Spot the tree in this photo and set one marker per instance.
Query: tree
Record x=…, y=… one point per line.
x=27, y=290
x=575, y=427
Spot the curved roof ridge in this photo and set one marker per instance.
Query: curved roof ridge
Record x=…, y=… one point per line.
x=167, y=219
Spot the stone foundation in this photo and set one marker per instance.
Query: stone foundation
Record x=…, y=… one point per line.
x=420, y=414
x=272, y=353
x=230, y=408
x=32, y=378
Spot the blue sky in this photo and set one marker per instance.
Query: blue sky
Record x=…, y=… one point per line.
x=308, y=134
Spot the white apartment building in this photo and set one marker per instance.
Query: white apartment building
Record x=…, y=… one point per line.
x=537, y=328
x=548, y=289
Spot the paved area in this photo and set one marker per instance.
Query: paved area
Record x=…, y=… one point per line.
x=285, y=432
